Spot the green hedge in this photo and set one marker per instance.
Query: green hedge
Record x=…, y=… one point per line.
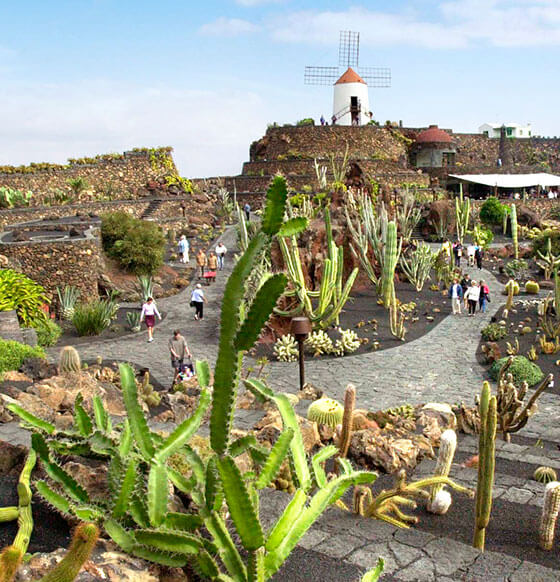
x=13, y=353
x=521, y=369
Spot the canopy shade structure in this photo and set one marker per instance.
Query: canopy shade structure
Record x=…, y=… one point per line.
x=510, y=180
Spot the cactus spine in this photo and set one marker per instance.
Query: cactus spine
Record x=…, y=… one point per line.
x=447, y=446
x=549, y=515
x=513, y=219
x=391, y=256
x=462, y=214
x=69, y=360
x=81, y=546
x=486, y=464
x=347, y=419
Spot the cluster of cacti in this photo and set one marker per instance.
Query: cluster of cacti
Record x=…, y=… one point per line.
x=333, y=292
x=133, y=320
x=319, y=343
x=512, y=349
x=549, y=262
x=137, y=514
x=549, y=515
x=407, y=216
x=439, y=502
x=532, y=287
x=286, y=348
x=549, y=347
x=69, y=360
x=549, y=319
x=67, y=301
x=545, y=475
x=417, y=268
x=349, y=341
x=326, y=411
x=404, y=411
x=386, y=506
x=514, y=233
x=147, y=392
x=511, y=410
x=487, y=408
x=462, y=215
x=396, y=320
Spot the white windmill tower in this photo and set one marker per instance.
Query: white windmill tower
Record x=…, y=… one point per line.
x=351, y=91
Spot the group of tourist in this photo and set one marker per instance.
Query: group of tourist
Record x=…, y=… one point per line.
x=472, y=293
x=473, y=254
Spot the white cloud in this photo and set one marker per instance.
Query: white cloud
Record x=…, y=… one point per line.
x=256, y=2
x=228, y=27
x=210, y=130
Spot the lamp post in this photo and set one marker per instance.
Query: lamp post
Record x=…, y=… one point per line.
x=301, y=327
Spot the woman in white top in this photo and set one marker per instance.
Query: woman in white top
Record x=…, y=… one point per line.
x=149, y=312
x=197, y=301
x=472, y=295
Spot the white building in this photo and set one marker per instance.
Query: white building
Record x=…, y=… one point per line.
x=493, y=130
x=351, y=100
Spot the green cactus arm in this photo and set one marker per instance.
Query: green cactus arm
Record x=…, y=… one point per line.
x=343, y=298
x=122, y=537
x=164, y=541
x=242, y=444
x=8, y=514
x=326, y=289
x=182, y=521
x=203, y=373
x=226, y=548
x=286, y=520
x=10, y=559
x=275, y=459
x=81, y=546
x=206, y=565
x=138, y=423
x=139, y=511
x=58, y=501
x=185, y=430
x=227, y=365
x=373, y=574
x=101, y=444
x=293, y=226
x=289, y=419
x=81, y=417
x=157, y=493
x=31, y=420
x=261, y=308
x=127, y=487
x=255, y=566
x=159, y=557
x=273, y=214
x=125, y=443
x=242, y=510
x=317, y=464
x=213, y=487
x=88, y=513
x=100, y=414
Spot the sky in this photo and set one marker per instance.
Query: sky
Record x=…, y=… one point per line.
x=83, y=77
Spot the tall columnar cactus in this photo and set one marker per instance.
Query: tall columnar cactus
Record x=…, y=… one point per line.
x=447, y=446
x=514, y=231
x=510, y=288
x=462, y=214
x=549, y=515
x=81, y=546
x=347, y=419
x=391, y=254
x=417, y=268
x=548, y=261
x=69, y=360
x=486, y=465
x=396, y=320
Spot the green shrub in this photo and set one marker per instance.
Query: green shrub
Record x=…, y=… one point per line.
x=138, y=245
x=515, y=267
x=48, y=332
x=24, y=295
x=493, y=332
x=540, y=242
x=94, y=317
x=9, y=198
x=13, y=353
x=492, y=211
x=521, y=369
x=306, y=121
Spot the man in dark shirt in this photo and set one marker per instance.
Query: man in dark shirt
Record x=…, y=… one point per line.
x=178, y=349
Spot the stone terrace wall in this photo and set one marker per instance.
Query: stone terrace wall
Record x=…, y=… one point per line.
x=127, y=175
x=308, y=142
x=59, y=263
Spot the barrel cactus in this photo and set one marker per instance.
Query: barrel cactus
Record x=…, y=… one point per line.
x=285, y=348
x=532, y=287
x=326, y=411
x=544, y=474
x=69, y=360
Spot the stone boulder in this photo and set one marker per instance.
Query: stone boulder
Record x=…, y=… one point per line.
x=527, y=217
x=268, y=429
x=442, y=212
x=434, y=418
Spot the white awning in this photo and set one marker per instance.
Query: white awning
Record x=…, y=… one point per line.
x=510, y=180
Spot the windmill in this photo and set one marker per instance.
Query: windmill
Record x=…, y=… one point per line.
x=351, y=99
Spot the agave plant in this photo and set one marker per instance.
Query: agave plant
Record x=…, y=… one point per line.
x=67, y=301
x=137, y=515
x=146, y=285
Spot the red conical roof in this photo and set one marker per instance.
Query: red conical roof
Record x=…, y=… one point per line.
x=350, y=76
x=433, y=135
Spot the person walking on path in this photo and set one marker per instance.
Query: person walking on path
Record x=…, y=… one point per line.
x=471, y=249
x=465, y=284
x=212, y=267
x=183, y=245
x=247, y=209
x=197, y=301
x=472, y=296
x=149, y=312
x=179, y=349
x=201, y=262
x=455, y=294
x=221, y=251
x=484, y=298
x=457, y=253
x=478, y=257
